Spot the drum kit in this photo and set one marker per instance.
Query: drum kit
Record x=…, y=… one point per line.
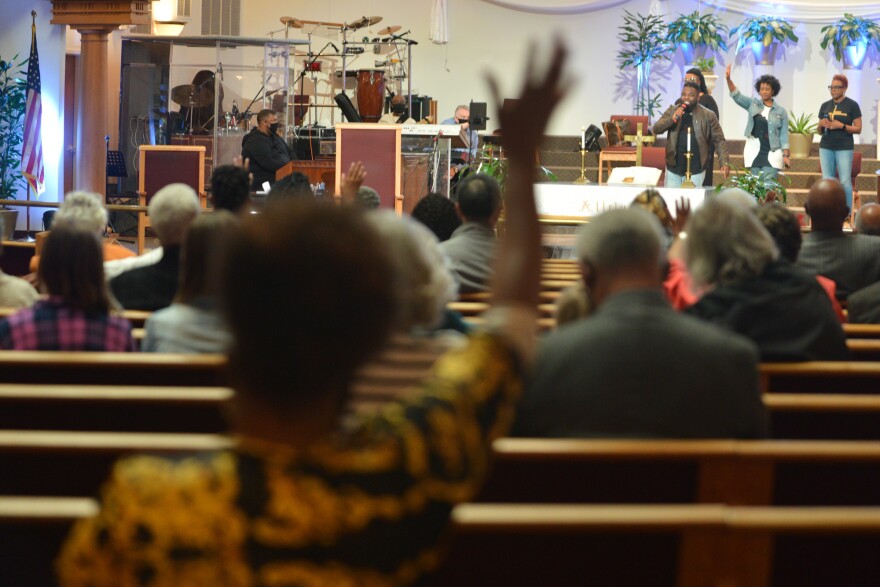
x=394, y=48
x=191, y=96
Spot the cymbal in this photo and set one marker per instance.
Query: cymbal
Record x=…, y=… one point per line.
x=389, y=30
x=188, y=93
x=291, y=22
x=364, y=21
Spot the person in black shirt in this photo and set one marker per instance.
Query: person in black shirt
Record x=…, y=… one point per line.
x=839, y=119
x=266, y=151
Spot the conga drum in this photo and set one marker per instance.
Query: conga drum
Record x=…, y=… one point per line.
x=370, y=94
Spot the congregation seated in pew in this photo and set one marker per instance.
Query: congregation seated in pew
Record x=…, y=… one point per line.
x=15, y=292
x=635, y=367
x=297, y=497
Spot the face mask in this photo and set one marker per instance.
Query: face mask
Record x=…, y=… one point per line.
x=460, y=120
x=273, y=128
x=398, y=108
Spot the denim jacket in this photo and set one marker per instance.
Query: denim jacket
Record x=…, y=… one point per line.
x=777, y=122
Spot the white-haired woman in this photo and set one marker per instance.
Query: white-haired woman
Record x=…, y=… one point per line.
x=749, y=290
x=86, y=211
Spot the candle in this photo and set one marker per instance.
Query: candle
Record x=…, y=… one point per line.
x=689, y=140
x=583, y=138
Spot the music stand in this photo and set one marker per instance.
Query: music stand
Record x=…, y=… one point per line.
x=478, y=116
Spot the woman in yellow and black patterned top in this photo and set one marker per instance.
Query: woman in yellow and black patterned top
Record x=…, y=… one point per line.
x=297, y=502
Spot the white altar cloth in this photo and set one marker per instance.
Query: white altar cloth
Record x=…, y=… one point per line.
x=581, y=201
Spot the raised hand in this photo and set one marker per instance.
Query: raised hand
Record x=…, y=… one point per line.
x=352, y=181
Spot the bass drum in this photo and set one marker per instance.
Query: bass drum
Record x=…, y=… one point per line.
x=370, y=94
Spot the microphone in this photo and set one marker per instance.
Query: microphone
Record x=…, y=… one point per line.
x=220, y=71
x=335, y=48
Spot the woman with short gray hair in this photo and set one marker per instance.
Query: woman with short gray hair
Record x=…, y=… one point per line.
x=753, y=292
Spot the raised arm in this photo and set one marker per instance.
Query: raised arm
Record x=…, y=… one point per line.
x=518, y=265
x=730, y=85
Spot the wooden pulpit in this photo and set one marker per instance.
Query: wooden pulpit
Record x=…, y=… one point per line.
x=161, y=165
x=377, y=146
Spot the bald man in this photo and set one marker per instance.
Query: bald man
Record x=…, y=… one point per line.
x=868, y=220
x=852, y=261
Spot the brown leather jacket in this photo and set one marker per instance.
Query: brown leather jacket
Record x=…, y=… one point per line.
x=706, y=129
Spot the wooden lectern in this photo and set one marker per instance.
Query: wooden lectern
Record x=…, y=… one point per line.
x=377, y=146
x=161, y=165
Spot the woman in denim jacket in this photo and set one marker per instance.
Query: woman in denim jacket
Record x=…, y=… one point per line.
x=768, y=122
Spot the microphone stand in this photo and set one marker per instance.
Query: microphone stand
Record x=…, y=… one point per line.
x=301, y=80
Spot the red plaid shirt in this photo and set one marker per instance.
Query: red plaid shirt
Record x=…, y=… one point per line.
x=51, y=326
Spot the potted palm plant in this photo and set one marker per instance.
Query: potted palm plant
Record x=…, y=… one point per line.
x=13, y=96
x=761, y=185
x=765, y=33
x=800, y=135
x=850, y=38
x=695, y=34
x=644, y=40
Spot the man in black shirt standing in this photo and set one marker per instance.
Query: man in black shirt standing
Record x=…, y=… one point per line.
x=265, y=149
x=688, y=115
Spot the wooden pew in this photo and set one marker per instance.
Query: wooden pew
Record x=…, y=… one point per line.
x=112, y=368
x=113, y=408
x=845, y=377
x=31, y=531
x=41, y=463
x=684, y=471
x=662, y=545
x=861, y=330
x=864, y=349
x=815, y=416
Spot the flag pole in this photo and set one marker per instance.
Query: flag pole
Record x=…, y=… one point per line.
x=27, y=230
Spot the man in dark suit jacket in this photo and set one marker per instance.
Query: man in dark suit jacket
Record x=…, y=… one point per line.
x=150, y=288
x=852, y=261
x=636, y=368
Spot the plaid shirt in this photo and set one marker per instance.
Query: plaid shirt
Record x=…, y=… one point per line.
x=51, y=326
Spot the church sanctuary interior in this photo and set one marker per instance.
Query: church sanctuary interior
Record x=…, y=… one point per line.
x=385, y=293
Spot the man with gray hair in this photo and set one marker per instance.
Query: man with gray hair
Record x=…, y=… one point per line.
x=636, y=368
x=171, y=211
x=750, y=291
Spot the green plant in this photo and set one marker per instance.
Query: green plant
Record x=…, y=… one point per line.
x=801, y=124
x=850, y=30
x=705, y=64
x=763, y=29
x=494, y=166
x=644, y=41
x=696, y=29
x=759, y=184
x=13, y=97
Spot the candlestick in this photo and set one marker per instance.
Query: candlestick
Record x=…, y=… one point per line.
x=583, y=176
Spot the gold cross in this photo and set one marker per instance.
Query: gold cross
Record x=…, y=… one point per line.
x=639, y=138
x=835, y=112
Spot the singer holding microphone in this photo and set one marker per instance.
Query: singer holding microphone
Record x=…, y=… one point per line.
x=692, y=128
x=839, y=119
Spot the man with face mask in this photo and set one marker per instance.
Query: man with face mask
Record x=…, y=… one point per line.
x=399, y=113
x=462, y=117
x=265, y=149
x=688, y=114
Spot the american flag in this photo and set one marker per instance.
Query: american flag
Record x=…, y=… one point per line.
x=32, y=144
